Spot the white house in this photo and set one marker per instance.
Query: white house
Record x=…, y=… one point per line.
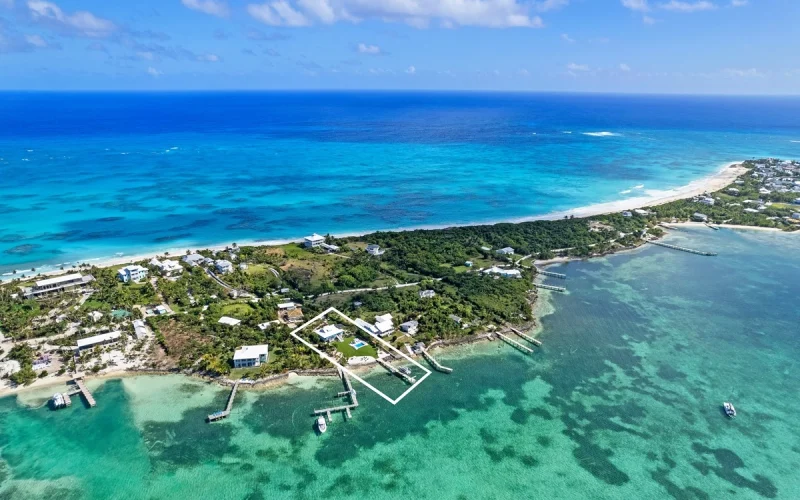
x=313, y=241
x=223, y=266
x=167, y=267
x=705, y=200
x=375, y=250
x=139, y=329
x=627, y=214
x=384, y=325
x=193, y=259
x=366, y=326
x=505, y=273
x=104, y=338
x=697, y=216
x=96, y=316
x=733, y=191
x=410, y=327
x=227, y=320
x=133, y=273
x=506, y=251
x=250, y=355
x=427, y=294
x=329, y=333
x=639, y=211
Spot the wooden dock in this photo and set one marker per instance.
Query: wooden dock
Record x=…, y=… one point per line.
x=395, y=371
x=219, y=415
x=514, y=343
x=682, y=249
x=526, y=337
x=550, y=273
x=560, y=289
x=82, y=389
x=350, y=392
x=436, y=365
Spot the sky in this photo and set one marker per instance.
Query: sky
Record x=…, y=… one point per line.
x=636, y=46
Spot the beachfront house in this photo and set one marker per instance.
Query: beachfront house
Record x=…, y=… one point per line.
x=505, y=251
x=706, y=200
x=223, y=266
x=102, y=339
x=410, y=327
x=227, y=320
x=505, y=273
x=313, y=241
x=250, y=355
x=139, y=329
x=57, y=285
x=134, y=273
x=384, y=325
x=193, y=259
x=329, y=333
x=365, y=326
x=733, y=191
x=167, y=267
x=698, y=217
x=641, y=212
x=427, y=294
x=627, y=214
x=375, y=250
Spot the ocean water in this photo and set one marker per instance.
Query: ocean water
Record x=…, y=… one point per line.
x=89, y=175
x=623, y=401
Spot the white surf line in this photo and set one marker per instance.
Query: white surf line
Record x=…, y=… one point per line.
x=325, y=356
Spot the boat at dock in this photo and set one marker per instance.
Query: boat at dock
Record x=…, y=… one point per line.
x=404, y=370
x=322, y=425
x=729, y=409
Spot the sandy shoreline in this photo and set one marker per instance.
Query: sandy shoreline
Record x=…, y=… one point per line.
x=723, y=177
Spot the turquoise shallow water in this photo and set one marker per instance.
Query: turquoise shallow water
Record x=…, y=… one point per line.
x=89, y=175
x=623, y=401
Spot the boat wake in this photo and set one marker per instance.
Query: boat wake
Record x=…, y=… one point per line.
x=601, y=134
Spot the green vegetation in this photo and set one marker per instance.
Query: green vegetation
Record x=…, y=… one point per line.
x=348, y=351
x=23, y=354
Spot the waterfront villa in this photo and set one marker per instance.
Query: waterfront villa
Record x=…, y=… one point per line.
x=698, y=217
x=375, y=250
x=427, y=294
x=134, y=273
x=54, y=286
x=505, y=273
x=329, y=333
x=384, y=325
x=627, y=214
x=250, y=355
x=227, y=320
x=139, y=328
x=410, y=327
x=289, y=312
x=167, y=267
x=313, y=241
x=194, y=259
x=506, y=251
x=223, y=266
x=366, y=326
x=102, y=339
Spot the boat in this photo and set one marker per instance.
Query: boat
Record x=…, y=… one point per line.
x=321, y=425
x=404, y=370
x=729, y=409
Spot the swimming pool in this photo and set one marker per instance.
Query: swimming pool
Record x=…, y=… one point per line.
x=357, y=344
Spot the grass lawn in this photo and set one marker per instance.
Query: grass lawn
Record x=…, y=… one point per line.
x=348, y=352
x=237, y=309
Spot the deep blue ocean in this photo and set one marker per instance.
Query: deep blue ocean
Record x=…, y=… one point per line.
x=89, y=175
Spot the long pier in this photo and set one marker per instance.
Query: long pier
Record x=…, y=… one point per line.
x=436, y=365
x=82, y=389
x=227, y=411
x=514, y=343
x=395, y=371
x=560, y=289
x=526, y=337
x=682, y=249
x=345, y=408
x=550, y=273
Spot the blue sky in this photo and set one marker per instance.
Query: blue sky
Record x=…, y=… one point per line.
x=663, y=46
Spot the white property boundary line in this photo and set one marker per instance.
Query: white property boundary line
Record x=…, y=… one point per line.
x=323, y=355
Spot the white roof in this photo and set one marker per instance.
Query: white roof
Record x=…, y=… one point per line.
x=383, y=318
x=251, y=351
x=366, y=326
x=384, y=326
x=139, y=328
x=287, y=305
x=315, y=237
x=134, y=267
x=227, y=320
x=223, y=263
x=98, y=339
x=59, y=279
x=194, y=257
x=169, y=265
x=328, y=331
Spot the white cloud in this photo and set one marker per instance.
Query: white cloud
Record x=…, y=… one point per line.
x=624, y=67
x=637, y=5
x=739, y=3
x=36, y=41
x=411, y=70
x=278, y=13
x=80, y=22
x=417, y=13
x=577, y=67
x=547, y=5
x=567, y=38
x=680, y=6
x=211, y=7
x=523, y=72
x=744, y=73
x=208, y=58
x=368, y=49
x=154, y=72
x=648, y=20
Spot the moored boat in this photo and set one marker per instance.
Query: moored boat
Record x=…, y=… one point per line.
x=321, y=425
x=729, y=409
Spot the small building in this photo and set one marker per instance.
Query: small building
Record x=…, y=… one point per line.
x=796, y=215
x=750, y=210
x=223, y=266
x=160, y=310
x=375, y=250
x=193, y=259
x=468, y=263
x=102, y=339
x=167, y=267
x=427, y=294
x=706, y=200
x=329, y=333
x=505, y=251
x=243, y=266
x=95, y=316
x=456, y=319
x=505, y=273
x=57, y=285
x=733, y=191
x=366, y=326
x=698, y=217
x=796, y=201
x=384, y=324
x=227, y=320
x=139, y=329
x=641, y=212
x=627, y=214
x=289, y=312
x=764, y=191
x=313, y=241
x=486, y=249
x=250, y=355
x=410, y=327
x=134, y=273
